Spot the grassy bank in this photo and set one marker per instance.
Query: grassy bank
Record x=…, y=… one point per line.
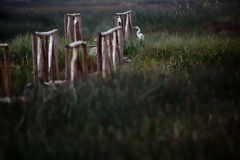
x=175, y=19
x=178, y=99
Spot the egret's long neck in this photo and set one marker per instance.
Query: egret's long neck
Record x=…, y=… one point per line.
x=138, y=30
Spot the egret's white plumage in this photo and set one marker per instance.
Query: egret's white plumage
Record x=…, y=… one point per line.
x=139, y=34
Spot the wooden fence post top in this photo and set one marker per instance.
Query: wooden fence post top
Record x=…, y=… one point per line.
x=74, y=14
x=76, y=44
x=3, y=45
x=48, y=33
x=99, y=34
x=103, y=34
x=120, y=14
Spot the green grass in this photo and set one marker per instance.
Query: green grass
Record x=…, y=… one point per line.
x=178, y=99
x=184, y=51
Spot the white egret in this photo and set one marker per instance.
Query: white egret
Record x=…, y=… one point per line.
x=139, y=34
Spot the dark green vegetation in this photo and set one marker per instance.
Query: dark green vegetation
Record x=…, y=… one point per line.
x=178, y=99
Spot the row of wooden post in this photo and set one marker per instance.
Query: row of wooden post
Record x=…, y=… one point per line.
x=109, y=56
x=71, y=64
x=73, y=26
x=45, y=54
x=45, y=48
x=45, y=57
x=126, y=23
x=110, y=50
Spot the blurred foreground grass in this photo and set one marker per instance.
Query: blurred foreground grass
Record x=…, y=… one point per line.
x=132, y=114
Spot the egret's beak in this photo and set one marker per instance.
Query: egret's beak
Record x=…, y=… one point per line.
x=133, y=26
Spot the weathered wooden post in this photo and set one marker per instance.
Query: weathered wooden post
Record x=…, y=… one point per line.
x=45, y=56
x=125, y=21
x=99, y=53
x=71, y=65
x=73, y=26
x=7, y=70
x=110, y=49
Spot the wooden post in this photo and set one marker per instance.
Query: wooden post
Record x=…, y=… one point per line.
x=126, y=27
x=99, y=53
x=67, y=65
x=84, y=60
x=119, y=46
x=73, y=64
x=115, y=59
x=65, y=25
x=56, y=52
x=123, y=28
x=7, y=70
x=118, y=50
x=69, y=27
x=104, y=61
x=45, y=56
x=107, y=57
x=126, y=24
x=73, y=26
x=130, y=23
x=79, y=18
x=50, y=55
x=110, y=48
x=71, y=72
x=40, y=60
x=34, y=54
x=110, y=51
x=75, y=29
x=46, y=61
